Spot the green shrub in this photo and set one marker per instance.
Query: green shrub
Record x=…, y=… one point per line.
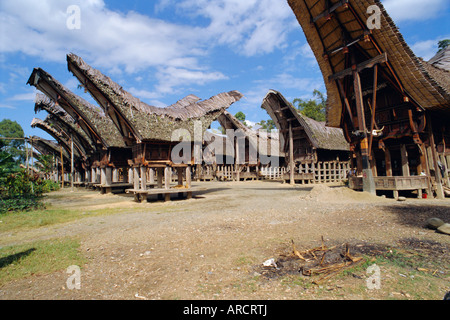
x=20, y=204
x=21, y=191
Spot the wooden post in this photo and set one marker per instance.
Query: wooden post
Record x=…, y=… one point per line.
x=71, y=162
x=167, y=180
x=445, y=177
x=115, y=175
x=237, y=162
x=426, y=167
x=108, y=176
x=437, y=173
x=103, y=176
x=291, y=156
x=374, y=107
x=188, y=176
x=368, y=181
x=387, y=158
x=62, y=168
x=136, y=178
x=152, y=175
x=130, y=175
x=167, y=177
x=405, y=163
x=143, y=170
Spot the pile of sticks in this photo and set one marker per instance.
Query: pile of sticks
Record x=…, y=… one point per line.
x=325, y=270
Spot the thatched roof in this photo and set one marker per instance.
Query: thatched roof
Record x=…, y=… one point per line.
x=145, y=122
x=68, y=125
x=442, y=59
x=228, y=121
x=320, y=136
x=333, y=26
x=48, y=147
x=48, y=127
x=97, y=126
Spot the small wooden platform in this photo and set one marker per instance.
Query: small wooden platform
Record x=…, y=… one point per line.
x=302, y=177
x=395, y=184
x=119, y=186
x=141, y=195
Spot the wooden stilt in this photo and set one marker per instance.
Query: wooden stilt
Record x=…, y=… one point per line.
x=291, y=156
x=368, y=181
x=405, y=162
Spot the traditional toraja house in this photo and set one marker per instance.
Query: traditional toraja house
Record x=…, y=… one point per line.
x=388, y=103
x=308, y=145
x=249, y=148
x=153, y=132
x=107, y=162
x=439, y=68
x=66, y=141
x=60, y=155
x=65, y=124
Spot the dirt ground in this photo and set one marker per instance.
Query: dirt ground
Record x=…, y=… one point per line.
x=213, y=245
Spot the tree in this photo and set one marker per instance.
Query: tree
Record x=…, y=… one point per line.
x=314, y=108
x=443, y=44
x=45, y=163
x=11, y=129
x=240, y=116
x=268, y=125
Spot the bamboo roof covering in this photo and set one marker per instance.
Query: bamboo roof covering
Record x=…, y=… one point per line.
x=334, y=27
x=140, y=120
x=283, y=112
x=96, y=125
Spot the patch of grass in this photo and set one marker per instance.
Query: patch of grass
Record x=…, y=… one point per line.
x=17, y=221
x=37, y=258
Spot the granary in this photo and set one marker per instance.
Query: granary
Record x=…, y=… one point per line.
x=106, y=154
x=52, y=148
x=249, y=149
x=392, y=106
x=65, y=141
x=60, y=120
x=154, y=133
x=308, y=145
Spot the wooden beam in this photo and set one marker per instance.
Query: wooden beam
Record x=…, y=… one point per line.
x=346, y=103
x=382, y=58
x=330, y=10
x=374, y=106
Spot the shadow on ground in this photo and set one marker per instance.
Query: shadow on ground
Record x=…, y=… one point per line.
x=417, y=215
x=6, y=261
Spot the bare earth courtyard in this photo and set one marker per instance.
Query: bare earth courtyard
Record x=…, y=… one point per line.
x=213, y=245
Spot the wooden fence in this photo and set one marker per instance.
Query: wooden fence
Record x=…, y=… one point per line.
x=321, y=172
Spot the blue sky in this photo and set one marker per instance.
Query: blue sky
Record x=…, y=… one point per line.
x=163, y=50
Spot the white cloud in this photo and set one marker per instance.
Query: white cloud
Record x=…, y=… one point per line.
x=427, y=49
x=302, y=86
x=414, y=10
x=172, y=77
x=251, y=27
x=24, y=96
x=5, y=106
x=117, y=42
